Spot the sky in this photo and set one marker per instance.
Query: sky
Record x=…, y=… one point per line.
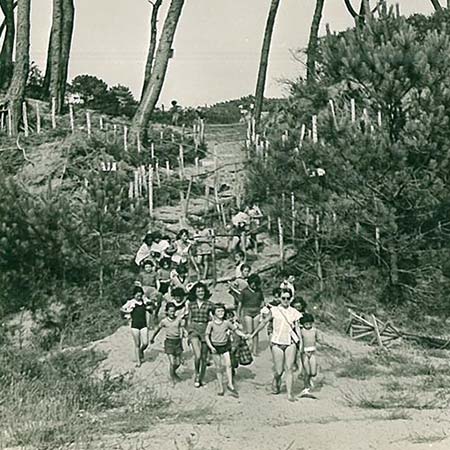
x=217, y=44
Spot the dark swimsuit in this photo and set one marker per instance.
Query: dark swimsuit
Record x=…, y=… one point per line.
x=138, y=317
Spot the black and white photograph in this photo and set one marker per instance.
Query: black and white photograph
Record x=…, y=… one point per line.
x=224, y=224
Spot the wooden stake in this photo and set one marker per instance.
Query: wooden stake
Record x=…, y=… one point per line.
x=101, y=123
x=152, y=151
x=161, y=135
x=158, y=178
x=150, y=190
x=168, y=169
x=353, y=110
x=188, y=196
x=130, y=190
x=281, y=240
x=181, y=161
x=307, y=222
x=53, y=112
x=380, y=123
x=197, y=167
x=138, y=144
x=88, y=122
x=25, y=118
x=38, y=118
x=333, y=112
x=72, y=119
x=302, y=135
x=293, y=214
x=9, y=121
x=136, y=184
x=125, y=138
x=314, y=129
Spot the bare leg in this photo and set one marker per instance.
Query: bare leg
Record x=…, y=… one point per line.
x=219, y=372
x=137, y=345
x=278, y=368
x=290, y=355
x=144, y=341
x=203, y=361
x=197, y=351
x=255, y=323
x=226, y=360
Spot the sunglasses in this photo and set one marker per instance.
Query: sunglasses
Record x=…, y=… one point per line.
x=285, y=297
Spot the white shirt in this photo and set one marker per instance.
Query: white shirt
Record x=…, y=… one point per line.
x=283, y=323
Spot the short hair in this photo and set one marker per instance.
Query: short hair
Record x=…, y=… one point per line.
x=240, y=253
x=219, y=306
x=170, y=305
x=193, y=291
x=137, y=289
x=246, y=266
x=182, y=268
x=178, y=292
x=148, y=262
x=181, y=232
x=286, y=291
x=276, y=292
x=254, y=278
x=307, y=318
x=164, y=261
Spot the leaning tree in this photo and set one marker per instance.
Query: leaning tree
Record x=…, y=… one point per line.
x=6, y=53
x=58, y=54
x=311, y=52
x=155, y=83
x=264, y=61
x=16, y=91
x=153, y=41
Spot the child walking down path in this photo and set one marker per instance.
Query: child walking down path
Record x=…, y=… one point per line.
x=218, y=340
x=173, y=326
x=139, y=310
x=309, y=336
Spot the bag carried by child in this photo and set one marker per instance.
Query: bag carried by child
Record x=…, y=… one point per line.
x=243, y=353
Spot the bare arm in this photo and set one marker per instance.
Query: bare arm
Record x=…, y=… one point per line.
x=155, y=333
x=208, y=339
x=261, y=325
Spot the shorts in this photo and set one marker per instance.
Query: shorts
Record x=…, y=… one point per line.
x=197, y=330
x=222, y=348
x=173, y=346
x=308, y=351
x=252, y=311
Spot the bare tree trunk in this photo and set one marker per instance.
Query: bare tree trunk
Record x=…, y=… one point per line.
x=156, y=81
x=152, y=44
x=311, y=52
x=16, y=91
x=436, y=5
x=58, y=54
x=66, y=45
x=6, y=55
x=263, y=63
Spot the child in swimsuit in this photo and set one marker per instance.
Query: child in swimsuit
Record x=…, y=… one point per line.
x=138, y=308
x=173, y=325
x=218, y=340
x=308, y=350
x=163, y=275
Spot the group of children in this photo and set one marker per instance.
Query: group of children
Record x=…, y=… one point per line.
x=213, y=328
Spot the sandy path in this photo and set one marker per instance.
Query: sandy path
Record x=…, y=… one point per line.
x=259, y=420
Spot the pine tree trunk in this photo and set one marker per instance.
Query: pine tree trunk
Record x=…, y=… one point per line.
x=6, y=55
x=58, y=54
x=156, y=81
x=152, y=45
x=66, y=45
x=16, y=91
x=436, y=5
x=263, y=63
x=311, y=52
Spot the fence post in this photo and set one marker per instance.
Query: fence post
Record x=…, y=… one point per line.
x=150, y=190
x=353, y=110
x=25, y=118
x=38, y=118
x=9, y=121
x=72, y=119
x=125, y=138
x=88, y=122
x=53, y=112
x=281, y=240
